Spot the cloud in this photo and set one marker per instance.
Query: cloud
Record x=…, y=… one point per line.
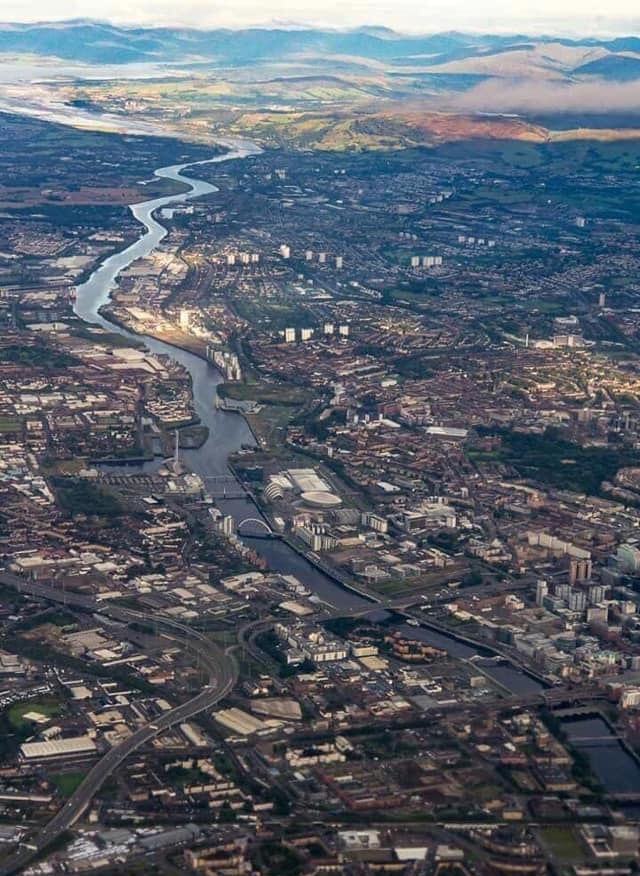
x=525, y=95
x=533, y=16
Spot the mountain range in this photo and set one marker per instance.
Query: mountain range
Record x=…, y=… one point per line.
x=368, y=88
x=443, y=54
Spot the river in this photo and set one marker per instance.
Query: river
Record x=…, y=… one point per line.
x=229, y=431
x=617, y=770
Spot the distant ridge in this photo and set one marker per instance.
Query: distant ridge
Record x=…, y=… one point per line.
x=97, y=42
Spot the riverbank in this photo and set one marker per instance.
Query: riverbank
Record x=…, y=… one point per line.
x=108, y=316
x=332, y=573
x=229, y=433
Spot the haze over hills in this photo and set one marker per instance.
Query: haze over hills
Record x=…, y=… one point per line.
x=366, y=88
x=103, y=43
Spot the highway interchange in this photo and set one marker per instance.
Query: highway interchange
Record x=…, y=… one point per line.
x=222, y=669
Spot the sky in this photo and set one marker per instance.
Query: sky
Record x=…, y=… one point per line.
x=578, y=17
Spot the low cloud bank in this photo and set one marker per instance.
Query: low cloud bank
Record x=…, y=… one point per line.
x=502, y=96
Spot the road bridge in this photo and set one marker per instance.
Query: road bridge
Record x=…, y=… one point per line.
x=225, y=487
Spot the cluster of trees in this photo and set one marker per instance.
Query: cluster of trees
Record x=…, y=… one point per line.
x=80, y=496
x=37, y=356
x=552, y=459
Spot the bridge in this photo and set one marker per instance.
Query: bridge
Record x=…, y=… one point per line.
x=225, y=487
x=594, y=741
x=266, y=532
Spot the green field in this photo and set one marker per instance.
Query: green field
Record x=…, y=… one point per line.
x=10, y=424
x=67, y=783
x=270, y=425
x=564, y=843
x=274, y=315
x=265, y=393
x=280, y=401
x=397, y=586
x=49, y=707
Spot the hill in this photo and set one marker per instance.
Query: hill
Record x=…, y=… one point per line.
x=102, y=43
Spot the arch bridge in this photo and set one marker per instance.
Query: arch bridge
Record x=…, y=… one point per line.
x=267, y=532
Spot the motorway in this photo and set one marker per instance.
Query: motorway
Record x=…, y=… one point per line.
x=223, y=673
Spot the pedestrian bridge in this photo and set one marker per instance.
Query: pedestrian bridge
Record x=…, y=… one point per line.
x=249, y=525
